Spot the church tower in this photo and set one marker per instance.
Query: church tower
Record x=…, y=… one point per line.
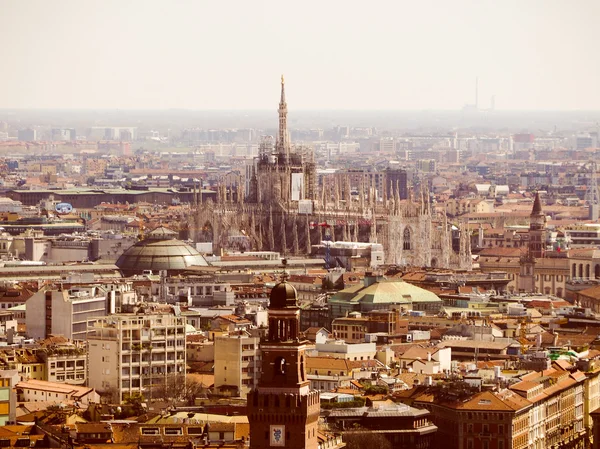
x=283, y=411
x=535, y=250
x=537, y=229
x=283, y=140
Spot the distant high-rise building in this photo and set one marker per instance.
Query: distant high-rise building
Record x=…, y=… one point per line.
x=453, y=156
x=27, y=135
x=387, y=145
x=64, y=134
x=396, y=179
x=65, y=312
x=426, y=165
x=126, y=135
x=586, y=141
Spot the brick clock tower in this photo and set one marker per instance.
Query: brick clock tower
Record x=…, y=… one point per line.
x=283, y=411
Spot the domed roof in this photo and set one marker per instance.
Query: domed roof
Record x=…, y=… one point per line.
x=283, y=295
x=373, y=294
x=160, y=250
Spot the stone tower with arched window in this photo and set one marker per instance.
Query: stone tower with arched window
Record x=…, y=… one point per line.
x=537, y=229
x=283, y=411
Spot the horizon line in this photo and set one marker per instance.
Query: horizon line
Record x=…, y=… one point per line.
x=270, y=110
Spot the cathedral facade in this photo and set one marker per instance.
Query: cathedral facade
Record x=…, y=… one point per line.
x=286, y=210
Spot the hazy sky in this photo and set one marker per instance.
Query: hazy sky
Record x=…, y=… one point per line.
x=345, y=54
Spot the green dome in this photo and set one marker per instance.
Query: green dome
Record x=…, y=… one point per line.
x=381, y=294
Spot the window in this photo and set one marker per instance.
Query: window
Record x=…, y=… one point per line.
x=406, y=243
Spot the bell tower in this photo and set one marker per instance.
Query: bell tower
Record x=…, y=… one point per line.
x=283, y=411
x=536, y=247
x=537, y=229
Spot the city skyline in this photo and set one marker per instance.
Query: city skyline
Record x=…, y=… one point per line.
x=338, y=56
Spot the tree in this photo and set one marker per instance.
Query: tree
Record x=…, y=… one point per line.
x=326, y=284
x=376, y=389
x=363, y=438
x=135, y=400
x=179, y=388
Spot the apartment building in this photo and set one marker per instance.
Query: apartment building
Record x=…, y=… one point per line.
x=556, y=415
x=136, y=353
x=341, y=350
x=545, y=409
x=25, y=361
x=237, y=362
x=8, y=397
x=64, y=311
x=355, y=327
x=203, y=290
x=468, y=419
x=65, y=364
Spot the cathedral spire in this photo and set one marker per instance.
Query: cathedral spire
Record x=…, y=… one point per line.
x=283, y=142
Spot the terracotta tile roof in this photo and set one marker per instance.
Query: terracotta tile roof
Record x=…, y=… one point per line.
x=93, y=427
x=502, y=252
x=582, y=252
x=234, y=319
x=563, y=364
x=524, y=385
x=483, y=401
x=418, y=353
x=400, y=350
x=305, y=279
x=592, y=292
x=437, y=333
x=326, y=363
x=357, y=384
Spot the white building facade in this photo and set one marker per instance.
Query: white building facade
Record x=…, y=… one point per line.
x=136, y=353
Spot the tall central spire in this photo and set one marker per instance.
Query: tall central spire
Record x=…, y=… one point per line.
x=283, y=142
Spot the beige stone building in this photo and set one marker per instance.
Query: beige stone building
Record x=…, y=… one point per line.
x=456, y=207
x=136, y=353
x=237, y=363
